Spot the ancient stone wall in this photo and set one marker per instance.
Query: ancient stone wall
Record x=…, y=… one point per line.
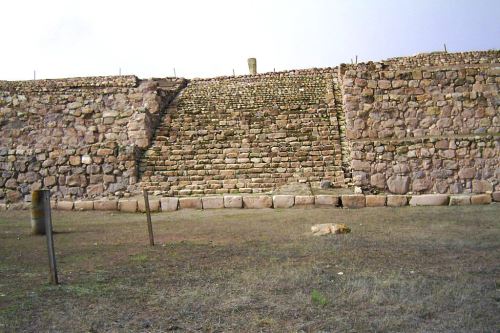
x=424, y=124
x=247, y=134
x=78, y=137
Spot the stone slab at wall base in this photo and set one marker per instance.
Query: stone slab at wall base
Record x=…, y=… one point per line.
x=496, y=196
x=397, y=200
x=480, y=199
x=154, y=205
x=190, y=203
x=429, y=200
x=212, y=202
x=283, y=201
x=127, y=205
x=353, y=201
x=65, y=205
x=375, y=200
x=258, y=201
x=304, y=200
x=106, y=205
x=233, y=201
x=84, y=205
x=326, y=200
x=169, y=204
x=459, y=200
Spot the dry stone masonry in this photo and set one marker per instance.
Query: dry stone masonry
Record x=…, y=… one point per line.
x=405, y=126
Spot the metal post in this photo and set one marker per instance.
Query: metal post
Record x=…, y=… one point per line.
x=50, y=240
x=148, y=216
x=37, y=213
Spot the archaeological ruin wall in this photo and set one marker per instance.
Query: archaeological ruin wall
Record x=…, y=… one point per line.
x=425, y=124
x=77, y=137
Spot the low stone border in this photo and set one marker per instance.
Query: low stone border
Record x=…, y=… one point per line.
x=348, y=201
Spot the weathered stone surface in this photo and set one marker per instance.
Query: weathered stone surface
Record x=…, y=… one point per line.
x=375, y=200
x=154, y=205
x=169, y=204
x=258, y=201
x=329, y=228
x=283, y=201
x=105, y=205
x=398, y=184
x=233, y=201
x=212, y=202
x=481, y=186
x=429, y=200
x=304, y=200
x=480, y=199
x=496, y=196
x=3, y=206
x=190, y=203
x=82, y=205
x=459, y=200
x=326, y=200
x=127, y=205
x=397, y=200
x=353, y=201
x=65, y=205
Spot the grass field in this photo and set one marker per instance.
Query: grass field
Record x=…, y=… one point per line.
x=423, y=269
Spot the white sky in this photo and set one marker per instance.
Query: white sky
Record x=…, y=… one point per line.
x=67, y=38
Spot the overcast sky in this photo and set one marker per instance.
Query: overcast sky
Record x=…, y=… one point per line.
x=67, y=38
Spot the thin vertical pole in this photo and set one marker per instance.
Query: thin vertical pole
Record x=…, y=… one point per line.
x=356, y=59
x=148, y=216
x=175, y=74
x=50, y=240
x=445, y=50
x=34, y=75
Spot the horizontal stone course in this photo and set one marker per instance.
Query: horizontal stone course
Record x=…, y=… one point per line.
x=429, y=200
x=353, y=201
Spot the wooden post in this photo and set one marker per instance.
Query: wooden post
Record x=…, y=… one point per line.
x=37, y=213
x=148, y=216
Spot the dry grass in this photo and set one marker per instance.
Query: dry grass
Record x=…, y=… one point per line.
x=403, y=270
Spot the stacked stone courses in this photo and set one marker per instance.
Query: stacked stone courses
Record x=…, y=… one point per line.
x=247, y=134
x=404, y=126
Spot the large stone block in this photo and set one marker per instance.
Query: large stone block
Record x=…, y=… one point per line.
x=65, y=205
x=190, y=203
x=326, y=200
x=233, y=201
x=480, y=199
x=353, y=201
x=459, y=200
x=84, y=205
x=105, y=205
x=212, y=202
x=169, y=204
x=3, y=206
x=397, y=200
x=283, y=201
x=304, y=200
x=429, y=200
x=375, y=200
x=496, y=196
x=127, y=205
x=258, y=201
x=481, y=186
x=154, y=205
x=398, y=184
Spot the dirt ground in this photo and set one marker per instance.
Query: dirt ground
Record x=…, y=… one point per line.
x=400, y=270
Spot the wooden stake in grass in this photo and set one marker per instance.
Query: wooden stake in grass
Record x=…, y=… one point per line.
x=148, y=216
x=41, y=223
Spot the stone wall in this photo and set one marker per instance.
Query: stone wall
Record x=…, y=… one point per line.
x=425, y=129
x=247, y=134
x=78, y=137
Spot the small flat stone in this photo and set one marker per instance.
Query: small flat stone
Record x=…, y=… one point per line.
x=302, y=200
x=326, y=200
x=496, y=196
x=283, y=201
x=65, y=205
x=459, y=200
x=480, y=199
x=105, y=205
x=127, y=205
x=429, y=200
x=84, y=205
x=169, y=204
x=397, y=200
x=3, y=207
x=233, y=201
x=212, y=202
x=190, y=203
x=353, y=201
x=258, y=201
x=375, y=200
